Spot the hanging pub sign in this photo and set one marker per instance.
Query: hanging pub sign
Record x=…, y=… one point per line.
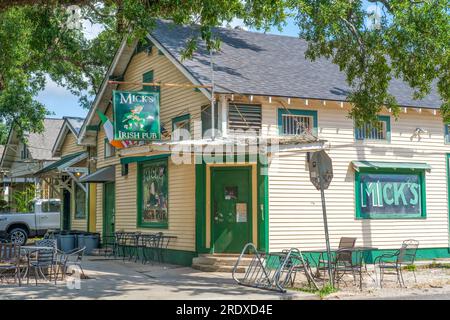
x=136, y=115
x=389, y=195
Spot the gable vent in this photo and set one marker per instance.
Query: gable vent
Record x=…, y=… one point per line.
x=244, y=117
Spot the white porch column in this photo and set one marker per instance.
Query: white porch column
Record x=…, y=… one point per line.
x=223, y=115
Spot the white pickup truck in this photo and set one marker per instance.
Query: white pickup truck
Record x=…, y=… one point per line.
x=17, y=227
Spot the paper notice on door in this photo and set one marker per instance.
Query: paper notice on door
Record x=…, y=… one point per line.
x=241, y=212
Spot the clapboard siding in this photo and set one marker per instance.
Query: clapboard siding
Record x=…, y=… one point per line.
x=79, y=224
x=70, y=145
x=174, y=102
x=181, y=205
x=295, y=211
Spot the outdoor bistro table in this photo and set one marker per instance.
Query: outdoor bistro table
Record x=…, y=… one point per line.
x=28, y=250
x=357, y=249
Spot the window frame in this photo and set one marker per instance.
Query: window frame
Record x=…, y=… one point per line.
x=384, y=118
x=75, y=217
x=377, y=216
x=112, y=148
x=297, y=112
x=177, y=119
x=140, y=195
x=24, y=153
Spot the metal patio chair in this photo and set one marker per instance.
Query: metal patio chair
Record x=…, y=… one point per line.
x=44, y=259
x=10, y=261
x=403, y=257
x=69, y=259
x=322, y=263
x=347, y=261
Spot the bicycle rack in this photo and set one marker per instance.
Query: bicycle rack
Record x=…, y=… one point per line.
x=272, y=271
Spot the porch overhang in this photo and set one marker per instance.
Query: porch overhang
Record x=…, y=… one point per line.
x=107, y=174
x=63, y=164
x=297, y=143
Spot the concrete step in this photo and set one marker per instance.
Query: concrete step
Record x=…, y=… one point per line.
x=220, y=260
x=217, y=268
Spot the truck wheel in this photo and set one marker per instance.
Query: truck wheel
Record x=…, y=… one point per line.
x=18, y=236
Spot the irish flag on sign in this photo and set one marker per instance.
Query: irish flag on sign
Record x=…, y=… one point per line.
x=109, y=131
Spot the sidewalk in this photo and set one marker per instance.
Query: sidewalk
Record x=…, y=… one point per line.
x=114, y=279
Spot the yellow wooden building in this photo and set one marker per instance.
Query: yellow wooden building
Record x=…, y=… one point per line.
x=390, y=182
x=75, y=161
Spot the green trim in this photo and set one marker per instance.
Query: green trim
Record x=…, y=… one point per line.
x=390, y=165
x=139, y=222
x=386, y=119
x=104, y=195
x=297, y=112
x=263, y=206
x=420, y=173
x=143, y=158
x=181, y=118
x=78, y=189
x=88, y=207
x=93, y=127
x=200, y=208
x=211, y=209
x=149, y=77
x=447, y=159
x=370, y=256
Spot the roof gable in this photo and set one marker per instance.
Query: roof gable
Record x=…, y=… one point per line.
x=70, y=125
x=39, y=145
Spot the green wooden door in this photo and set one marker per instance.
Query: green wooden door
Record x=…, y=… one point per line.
x=231, y=208
x=109, y=194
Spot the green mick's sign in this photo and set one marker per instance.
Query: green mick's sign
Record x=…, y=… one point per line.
x=136, y=115
x=390, y=195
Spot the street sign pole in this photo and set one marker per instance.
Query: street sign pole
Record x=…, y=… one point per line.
x=321, y=174
x=325, y=223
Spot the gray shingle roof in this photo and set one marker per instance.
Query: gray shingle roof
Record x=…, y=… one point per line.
x=272, y=65
x=75, y=122
x=41, y=144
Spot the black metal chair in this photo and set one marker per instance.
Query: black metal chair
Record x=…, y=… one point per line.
x=322, y=264
x=348, y=261
x=403, y=257
x=69, y=259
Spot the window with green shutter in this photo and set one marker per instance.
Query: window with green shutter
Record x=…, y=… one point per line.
x=148, y=78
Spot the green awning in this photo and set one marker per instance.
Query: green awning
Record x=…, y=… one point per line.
x=106, y=174
x=62, y=162
x=357, y=165
x=143, y=158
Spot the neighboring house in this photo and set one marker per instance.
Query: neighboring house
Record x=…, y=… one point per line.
x=22, y=158
x=389, y=181
x=65, y=173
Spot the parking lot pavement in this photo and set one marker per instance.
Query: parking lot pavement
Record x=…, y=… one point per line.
x=114, y=279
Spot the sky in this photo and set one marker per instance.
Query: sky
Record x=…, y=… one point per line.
x=60, y=102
